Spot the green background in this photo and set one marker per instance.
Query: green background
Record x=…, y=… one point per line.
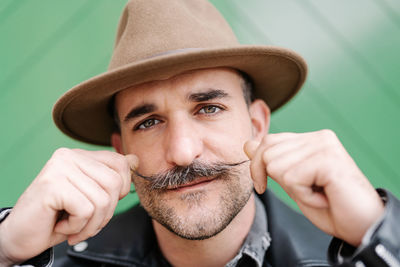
x=352, y=48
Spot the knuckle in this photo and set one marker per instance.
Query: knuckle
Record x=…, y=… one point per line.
x=62, y=152
x=328, y=134
x=272, y=168
x=266, y=157
x=46, y=178
x=264, y=139
x=122, y=160
x=115, y=182
x=330, y=142
x=289, y=135
x=76, y=228
x=106, y=220
x=80, y=150
x=103, y=202
x=57, y=159
x=287, y=179
x=81, y=236
x=52, y=171
x=117, y=158
x=111, y=181
x=87, y=211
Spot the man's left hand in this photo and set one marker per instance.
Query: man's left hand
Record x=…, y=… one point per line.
x=321, y=177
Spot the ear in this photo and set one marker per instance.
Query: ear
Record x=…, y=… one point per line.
x=260, y=118
x=116, y=142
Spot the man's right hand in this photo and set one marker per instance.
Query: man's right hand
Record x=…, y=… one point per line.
x=72, y=198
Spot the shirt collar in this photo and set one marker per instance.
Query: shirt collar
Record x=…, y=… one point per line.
x=257, y=241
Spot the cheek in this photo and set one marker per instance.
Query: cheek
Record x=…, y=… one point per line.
x=229, y=137
x=149, y=153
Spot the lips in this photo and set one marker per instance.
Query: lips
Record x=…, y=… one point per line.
x=200, y=180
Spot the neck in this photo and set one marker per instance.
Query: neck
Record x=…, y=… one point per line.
x=214, y=251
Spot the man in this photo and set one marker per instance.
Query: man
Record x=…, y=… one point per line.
x=176, y=105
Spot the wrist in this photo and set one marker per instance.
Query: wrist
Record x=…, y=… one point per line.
x=369, y=214
x=6, y=258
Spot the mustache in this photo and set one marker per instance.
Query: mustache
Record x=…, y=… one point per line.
x=180, y=175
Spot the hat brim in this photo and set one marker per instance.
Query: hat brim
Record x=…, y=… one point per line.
x=82, y=112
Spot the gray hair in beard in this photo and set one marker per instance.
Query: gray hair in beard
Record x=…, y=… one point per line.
x=180, y=175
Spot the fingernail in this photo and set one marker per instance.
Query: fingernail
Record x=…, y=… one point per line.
x=250, y=148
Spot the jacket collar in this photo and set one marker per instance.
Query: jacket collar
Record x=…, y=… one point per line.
x=129, y=239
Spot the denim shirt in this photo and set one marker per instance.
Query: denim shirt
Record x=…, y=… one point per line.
x=256, y=243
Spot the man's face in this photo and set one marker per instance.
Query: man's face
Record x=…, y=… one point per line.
x=196, y=117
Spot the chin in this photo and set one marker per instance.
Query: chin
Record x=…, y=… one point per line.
x=202, y=214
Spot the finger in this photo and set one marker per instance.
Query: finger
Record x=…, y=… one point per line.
x=254, y=150
x=79, y=226
x=112, y=180
x=281, y=158
x=114, y=161
x=257, y=167
x=287, y=147
x=271, y=140
x=250, y=148
x=301, y=179
x=103, y=201
x=76, y=205
x=133, y=161
x=307, y=196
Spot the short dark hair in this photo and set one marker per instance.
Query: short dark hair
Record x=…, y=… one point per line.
x=247, y=89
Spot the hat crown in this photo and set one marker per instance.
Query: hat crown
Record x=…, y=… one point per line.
x=158, y=39
x=152, y=27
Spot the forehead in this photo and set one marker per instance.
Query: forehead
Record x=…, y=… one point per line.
x=182, y=84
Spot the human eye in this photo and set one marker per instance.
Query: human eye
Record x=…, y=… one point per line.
x=147, y=124
x=209, y=109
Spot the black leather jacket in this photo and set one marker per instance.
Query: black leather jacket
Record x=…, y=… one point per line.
x=129, y=240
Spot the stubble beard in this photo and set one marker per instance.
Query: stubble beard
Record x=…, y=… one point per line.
x=199, y=221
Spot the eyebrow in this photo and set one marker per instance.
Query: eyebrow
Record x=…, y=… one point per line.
x=195, y=97
x=209, y=95
x=139, y=111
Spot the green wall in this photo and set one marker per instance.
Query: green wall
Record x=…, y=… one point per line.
x=352, y=48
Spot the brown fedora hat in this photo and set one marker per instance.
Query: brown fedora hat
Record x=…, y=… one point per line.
x=158, y=39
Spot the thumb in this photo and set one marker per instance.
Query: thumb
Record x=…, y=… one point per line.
x=257, y=169
x=133, y=161
x=250, y=148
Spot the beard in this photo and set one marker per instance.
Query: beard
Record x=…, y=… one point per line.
x=197, y=214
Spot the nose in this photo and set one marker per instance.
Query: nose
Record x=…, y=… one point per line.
x=183, y=142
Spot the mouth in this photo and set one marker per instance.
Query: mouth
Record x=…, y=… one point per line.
x=199, y=182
